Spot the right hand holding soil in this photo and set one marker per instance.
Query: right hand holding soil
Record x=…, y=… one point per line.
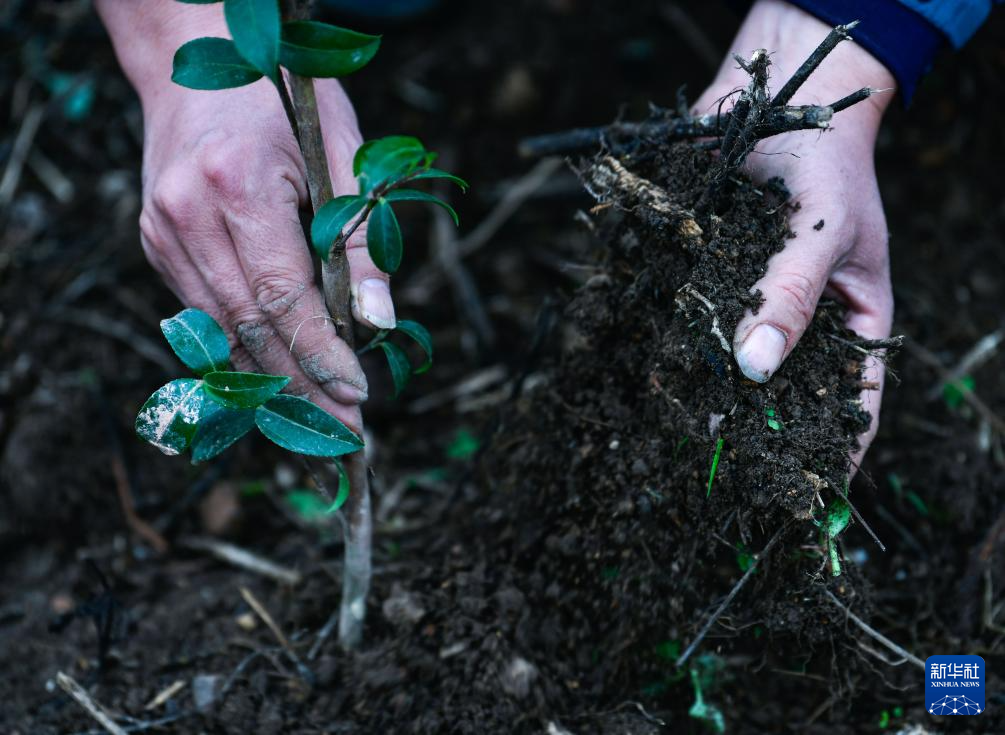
x=840, y=244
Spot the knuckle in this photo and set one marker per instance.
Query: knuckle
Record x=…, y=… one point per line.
x=223, y=166
x=800, y=295
x=278, y=294
x=173, y=197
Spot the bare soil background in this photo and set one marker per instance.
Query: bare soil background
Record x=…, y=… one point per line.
x=534, y=580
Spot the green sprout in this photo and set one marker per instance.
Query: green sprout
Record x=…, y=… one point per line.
x=835, y=522
x=955, y=393
x=207, y=414
x=774, y=423
x=704, y=673
x=715, y=465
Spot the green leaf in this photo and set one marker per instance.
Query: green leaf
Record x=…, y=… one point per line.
x=212, y=63
x=414, y=195
x=401, y=368
x=386, y=160
x=421, y=335
x=955, y=393
x=254, y=25
x=463, y=445
x=383, y=238
x=435, y=173
x=169, y=418
x=331, y=219
x=342, y=494
x=198, y=341
x=715, y=465
x=300, y=426
x=314, y=49
x=243, y=390
x=219, y=430
x=838, y=516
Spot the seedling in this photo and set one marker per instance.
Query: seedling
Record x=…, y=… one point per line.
x=774, y=423
x=834, y=523
x=212, y=411
x=715, y=465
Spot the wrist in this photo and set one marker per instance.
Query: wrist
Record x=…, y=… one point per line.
x=146, y=34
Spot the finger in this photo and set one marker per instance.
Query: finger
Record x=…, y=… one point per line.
x=369, y=286
x=869, y=296
x=791, y=288
x=276, y=263
x=172, y=262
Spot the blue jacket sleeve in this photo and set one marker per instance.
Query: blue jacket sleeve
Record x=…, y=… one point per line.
x=905, y=35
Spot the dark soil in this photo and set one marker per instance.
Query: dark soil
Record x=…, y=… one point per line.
x=546, y=582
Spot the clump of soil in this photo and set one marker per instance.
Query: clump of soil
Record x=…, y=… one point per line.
x=607, y=462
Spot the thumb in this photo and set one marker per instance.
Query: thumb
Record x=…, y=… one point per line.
x=791, y=288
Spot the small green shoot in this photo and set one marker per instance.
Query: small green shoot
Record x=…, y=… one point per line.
x=954, y=393
x=744, y=558
x=836, y=521
x=897, y=485
x=680, y=445
x=703, y=676
x=463, y=445
x=774, y=423
x=715, y=465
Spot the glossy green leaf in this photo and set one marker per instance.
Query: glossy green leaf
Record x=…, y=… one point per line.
x=331, y=219
x=254, y=26
x=219, y=430
x=298, y=425
x=342, y=494
x=314, y=49
x=401, y=368
x=414, y=195
x=386, y=160
x=212, y=63
x=198, y=341
x=435, y=173
x=421, y=335
x=169, y=417
x=838, y=516
x=383, y=238
x=243, y=390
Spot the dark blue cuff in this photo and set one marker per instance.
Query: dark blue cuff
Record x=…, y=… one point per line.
x=901, y=39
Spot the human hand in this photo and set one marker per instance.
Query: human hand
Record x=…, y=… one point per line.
x=832, y=177
x=223, y=183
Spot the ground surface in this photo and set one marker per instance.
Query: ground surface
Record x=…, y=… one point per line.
x=548, y=580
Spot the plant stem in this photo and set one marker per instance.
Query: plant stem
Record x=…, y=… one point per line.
x=302, y=109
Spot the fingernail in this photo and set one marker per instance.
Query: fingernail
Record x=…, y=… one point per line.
x=761, y=352
x=345, y=393
x=374, y=301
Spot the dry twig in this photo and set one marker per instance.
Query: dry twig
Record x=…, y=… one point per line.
x=81, y=697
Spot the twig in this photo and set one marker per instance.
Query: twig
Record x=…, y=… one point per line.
x=326, y=630
x=836, y=36
x=81, y=697
x=983, y=350
x=860, y=519
x=729, y=598
x=165, y=695
x=242, y=558
x=446, y=251
x=19, y=153
x=971, y=398
x=266, y=618
x=875, y=634
x=117, y=330
x=430, y=277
